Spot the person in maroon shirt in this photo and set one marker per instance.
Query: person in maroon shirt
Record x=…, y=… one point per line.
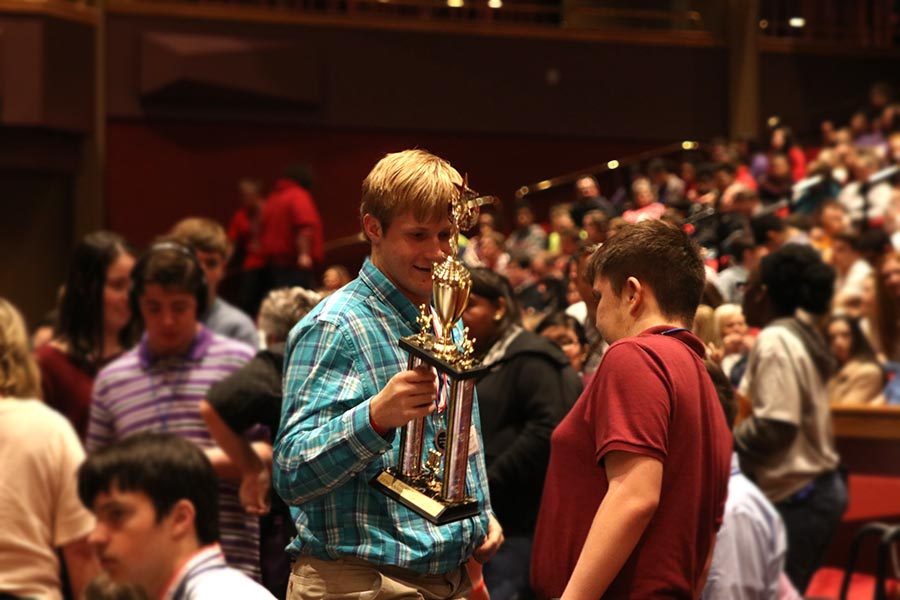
x=639, y=468
x=291, y=237
x=94, y=325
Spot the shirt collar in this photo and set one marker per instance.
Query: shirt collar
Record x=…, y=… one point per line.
x=388, y=293
x=197, y=350
x=689, y=339
x=206, y=557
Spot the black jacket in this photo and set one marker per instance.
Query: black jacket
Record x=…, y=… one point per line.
x=521, y=400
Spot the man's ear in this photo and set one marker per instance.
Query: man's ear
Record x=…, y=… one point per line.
x=372, y=228
x=633, y=293
x=181, y=519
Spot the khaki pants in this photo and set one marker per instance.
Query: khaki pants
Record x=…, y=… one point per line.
x=355, y=579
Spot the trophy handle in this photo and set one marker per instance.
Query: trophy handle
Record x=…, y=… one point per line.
x=412, y=438
x=456, y=459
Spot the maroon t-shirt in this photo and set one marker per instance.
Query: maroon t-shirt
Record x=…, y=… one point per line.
x=66, y=387
x=288, y=209
x=651, y=396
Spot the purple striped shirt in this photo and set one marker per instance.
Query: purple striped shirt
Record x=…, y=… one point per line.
x=136, y=393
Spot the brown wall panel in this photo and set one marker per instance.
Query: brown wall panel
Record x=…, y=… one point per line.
x=163, y=171
x=416, y=81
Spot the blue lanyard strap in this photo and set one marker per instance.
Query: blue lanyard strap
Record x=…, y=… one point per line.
x=673, y=331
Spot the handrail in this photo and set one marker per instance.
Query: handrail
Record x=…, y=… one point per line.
x=603, y=167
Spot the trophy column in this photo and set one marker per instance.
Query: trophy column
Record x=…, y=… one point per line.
x=412, y=438
x=456, y=457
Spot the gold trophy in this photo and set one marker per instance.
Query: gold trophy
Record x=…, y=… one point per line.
x=434, y=485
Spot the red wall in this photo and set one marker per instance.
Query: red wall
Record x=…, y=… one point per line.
x=160, y=172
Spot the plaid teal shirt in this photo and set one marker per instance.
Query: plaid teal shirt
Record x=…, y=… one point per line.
x=337, y=358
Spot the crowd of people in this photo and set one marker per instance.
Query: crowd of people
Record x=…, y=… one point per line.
x=654, y=419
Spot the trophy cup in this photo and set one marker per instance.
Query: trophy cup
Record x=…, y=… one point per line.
x=434, y=485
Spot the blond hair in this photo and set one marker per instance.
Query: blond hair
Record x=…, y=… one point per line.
x=722, y=313
x=411, y=180
x=19, y=375
x=200, y=234
x=704, y=327
x=282, y=308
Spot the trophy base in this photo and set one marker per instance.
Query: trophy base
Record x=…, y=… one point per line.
x=434, y=509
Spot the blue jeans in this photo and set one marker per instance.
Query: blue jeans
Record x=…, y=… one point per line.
x=811, y=518
x=506, y=574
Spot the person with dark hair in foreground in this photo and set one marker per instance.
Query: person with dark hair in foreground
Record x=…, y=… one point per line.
x=94, y=325
x=527, y=389
x=158, y=385
x=787, y=445
x=155, y=497
x=638, y=472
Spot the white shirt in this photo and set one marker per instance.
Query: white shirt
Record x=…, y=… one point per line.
x=750, y=547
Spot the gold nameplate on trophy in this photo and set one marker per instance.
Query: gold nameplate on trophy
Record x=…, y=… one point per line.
x=435, y=486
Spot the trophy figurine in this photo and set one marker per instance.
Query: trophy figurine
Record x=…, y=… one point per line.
x=434, y=484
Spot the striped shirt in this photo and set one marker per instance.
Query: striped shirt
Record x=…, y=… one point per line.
x=138, y=393
x=206, y=576
x=337, y=358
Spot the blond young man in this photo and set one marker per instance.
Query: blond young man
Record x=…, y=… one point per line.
x=208, y=241
x=346, y=394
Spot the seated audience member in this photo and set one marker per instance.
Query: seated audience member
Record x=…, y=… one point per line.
x=595, y=225
x=851, y=269
x=832, y=220
x=777, y=184
x=668, y=186
x=252, y=396
x=615, y=226
x=560, y=220
x=771, y=232
x=568, y=333
x=786, y=445
x=588, y=198
x=158, y=385
x=39, y=450
x=155, y=499
x=645, y=205
x=878, y=196
x=704, y=326
x=732, y=342
x=334, y=278
x=208, y=241
x=615, y=504
x=885, y=322
x=727, y=185
x=585, y=311
x=782, y=142
x=528, y=388
x=860, y=378
x=751, y=544
x=528, y=238
x=94, y=325
x=732, y=280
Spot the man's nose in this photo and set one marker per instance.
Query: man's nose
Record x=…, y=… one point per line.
x=98, y=538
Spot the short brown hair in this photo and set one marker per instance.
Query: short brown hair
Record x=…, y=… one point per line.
x=660, y=256
x=200, y=234
x=411, y=180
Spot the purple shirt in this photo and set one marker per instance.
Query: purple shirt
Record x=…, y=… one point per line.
x=138, y=393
